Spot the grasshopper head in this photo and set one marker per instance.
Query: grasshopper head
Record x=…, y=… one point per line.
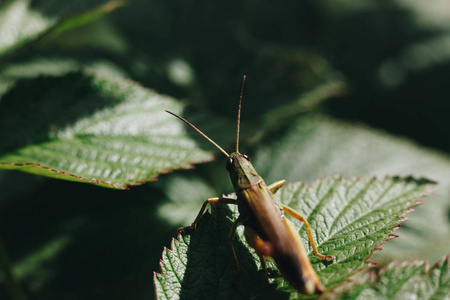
x=241, y=170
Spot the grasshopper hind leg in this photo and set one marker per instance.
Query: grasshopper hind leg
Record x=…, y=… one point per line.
x=274, y=187
x=302, y=219
x=263, y=248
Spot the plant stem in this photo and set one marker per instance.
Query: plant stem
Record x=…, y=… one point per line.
x=12, y=286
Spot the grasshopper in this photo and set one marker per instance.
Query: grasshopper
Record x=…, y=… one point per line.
x=266, y=228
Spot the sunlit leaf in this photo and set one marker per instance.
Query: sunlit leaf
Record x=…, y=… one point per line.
x=22, y=21
x=319, y=146
x=92, y=125
x=406, y=280
x=349, y=218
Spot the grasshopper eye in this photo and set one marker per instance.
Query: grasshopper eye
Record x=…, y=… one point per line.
x=229, y=165
x=246, y=156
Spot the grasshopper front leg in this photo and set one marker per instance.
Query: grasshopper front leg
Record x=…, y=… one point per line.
x=302, y=219
x=217, y=200
x=211, y=201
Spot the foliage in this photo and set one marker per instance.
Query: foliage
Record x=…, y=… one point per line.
x=83, y=89
x=402, y=280
x=350, y=218
x=102, y=128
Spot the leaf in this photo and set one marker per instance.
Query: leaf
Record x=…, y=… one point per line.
x=200, y=265
x=91, y=125
x=22, y=21
x=318, y=146
x=406, y=280
x=349, y=219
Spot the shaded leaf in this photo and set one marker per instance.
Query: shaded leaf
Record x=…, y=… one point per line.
x=199, y=265
x=349, y=219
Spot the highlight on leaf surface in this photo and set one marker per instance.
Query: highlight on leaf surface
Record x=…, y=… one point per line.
x=318, y=146
x=349, y=218
x=23, y=22
x=93, y=125
x=401, y=280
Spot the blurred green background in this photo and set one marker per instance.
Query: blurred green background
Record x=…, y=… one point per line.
x=375, y=71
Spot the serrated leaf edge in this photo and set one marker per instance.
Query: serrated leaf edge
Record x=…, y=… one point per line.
x=428, y=185
x=373, y=275
x=370, y=264
x=125, y=186
x=156, y=275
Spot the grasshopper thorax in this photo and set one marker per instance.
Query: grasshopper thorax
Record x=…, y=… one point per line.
x=242, y=172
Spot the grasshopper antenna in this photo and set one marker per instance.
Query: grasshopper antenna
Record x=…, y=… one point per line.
x=239, y=114
x=198, y=130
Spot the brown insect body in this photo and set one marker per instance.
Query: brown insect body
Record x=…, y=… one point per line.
x=279, y=238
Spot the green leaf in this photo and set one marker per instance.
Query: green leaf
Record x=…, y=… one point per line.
x=199, y=265
x=91, y=125
x=22, y=21
x=319, y=146
x=349, y=219
x=406, y=280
